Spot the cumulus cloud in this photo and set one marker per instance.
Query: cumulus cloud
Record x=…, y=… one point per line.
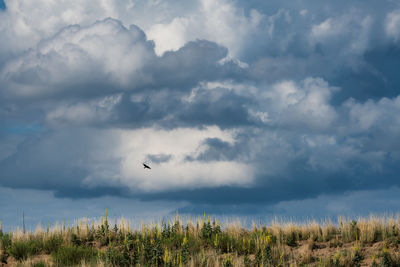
x=377, y=118
x=112, y=158
x=219, y=21
x=79, y=61
x=355, y=29
x=289, y=130
x=299, y=107
x=224, y=99
x=80, y=57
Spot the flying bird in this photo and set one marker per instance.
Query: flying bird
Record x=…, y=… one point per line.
x=146, y=166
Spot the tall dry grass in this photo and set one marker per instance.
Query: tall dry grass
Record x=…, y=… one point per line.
x=202, y=242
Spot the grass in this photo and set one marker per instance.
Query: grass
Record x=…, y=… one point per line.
x=71, y=255
x=372, y=241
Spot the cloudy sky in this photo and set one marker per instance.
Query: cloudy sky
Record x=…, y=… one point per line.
x=242, y=108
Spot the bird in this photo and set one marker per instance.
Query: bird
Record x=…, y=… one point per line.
x=146, y=166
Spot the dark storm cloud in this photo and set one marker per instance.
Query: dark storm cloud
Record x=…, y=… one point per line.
x=302, y=185
x=79, y=192
x=194, y=62
x=375, y=78
x=34, y=165
x=170, y=108
x=324, y=207
x=220, y=107
x=312, y=107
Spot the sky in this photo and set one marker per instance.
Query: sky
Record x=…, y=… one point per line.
x=246, y=109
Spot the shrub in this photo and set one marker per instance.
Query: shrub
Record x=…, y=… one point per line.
x=156, y=253
x=19, y=250
x=116, y=258
x=267, y=255
x=5, y=241
x=227, y=261
x=206, y=230
x=52, y=244
x=386, y=259
x=357, y=258
x=71, y=255
x=291, y=239
x=185, y=250
x=35, y=246
x=22, y=249
x=75, y=240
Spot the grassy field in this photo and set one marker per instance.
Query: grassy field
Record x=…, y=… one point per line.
x=372, y=241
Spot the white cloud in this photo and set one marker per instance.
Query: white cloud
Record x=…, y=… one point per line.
x=112, y=158
x=171, y=24
x=375, y=115
x=170, y=36
x=325, y=29
x=304, y=104
x=84, y=113
x=81, y=55
x=303, y=12
x=349, y=33
x=392, y=25
x=219, y=21
x=175, y=174
x=28, y=22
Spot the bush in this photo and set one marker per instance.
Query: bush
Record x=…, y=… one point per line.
x=386, y=259
x=291, y=239
x=357, y=259
x=75, y=240
x=52, y=244
x=19, y=250
x=227, y=261
x=116, y=258
x=5, y=241
x=35, y=246
x=71, y=255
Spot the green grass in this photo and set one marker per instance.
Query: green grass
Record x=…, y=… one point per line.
x=52, y=244
x=22, y=249
x=73, y=255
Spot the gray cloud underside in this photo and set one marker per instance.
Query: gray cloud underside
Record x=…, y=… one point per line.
x=309, y=93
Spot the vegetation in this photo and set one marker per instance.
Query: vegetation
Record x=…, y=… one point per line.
x=364, y=242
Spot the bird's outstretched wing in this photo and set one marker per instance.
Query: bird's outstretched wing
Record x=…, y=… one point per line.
x=146, y=166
